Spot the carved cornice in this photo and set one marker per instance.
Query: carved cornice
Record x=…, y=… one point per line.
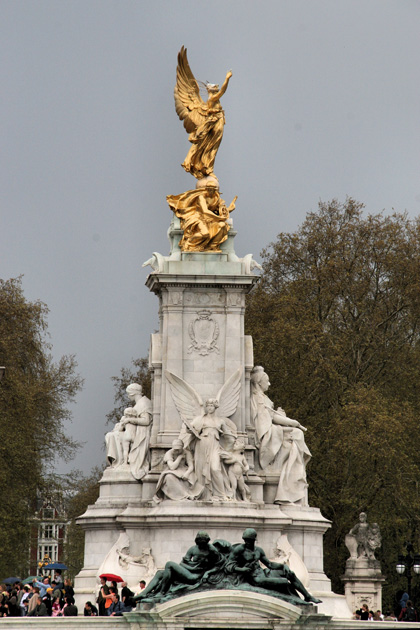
x=157, y=282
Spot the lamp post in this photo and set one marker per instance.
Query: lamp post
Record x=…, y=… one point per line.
x=405, y=563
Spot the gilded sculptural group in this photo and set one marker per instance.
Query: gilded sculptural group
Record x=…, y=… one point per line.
x=203, y=214
x=208, y=460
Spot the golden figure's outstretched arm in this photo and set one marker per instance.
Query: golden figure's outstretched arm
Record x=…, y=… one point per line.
x=218, y=96
x=232, y=206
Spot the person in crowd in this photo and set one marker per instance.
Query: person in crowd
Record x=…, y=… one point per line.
x=17, y=586
x=408, y=613
x=3, y=593
x=90, y=610
x=56, y=609
x=47, y=599
x=389, y=616
x=20, y=591
x=108, y=598
x=40, y=610
x=117, y=608
x=142, y=585
x=101, y=599
x=4, y=598
x=57, y=592
x=42, y=585
x=68, y=588
x=13, y=606
x=70, y=609
x=126, y=595
x=24, y=598
x=33, y=599
x=58, y=579
x=364, y=612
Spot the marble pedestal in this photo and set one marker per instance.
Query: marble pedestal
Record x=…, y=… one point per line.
x=201, y=340
x=169, y=529
x=363, y=581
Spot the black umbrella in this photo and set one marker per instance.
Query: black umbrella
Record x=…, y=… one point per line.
x=11, y=580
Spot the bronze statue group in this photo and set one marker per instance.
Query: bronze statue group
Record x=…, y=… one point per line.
x=221, y=565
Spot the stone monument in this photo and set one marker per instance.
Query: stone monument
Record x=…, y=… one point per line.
x=209, y=450
x=363, y=577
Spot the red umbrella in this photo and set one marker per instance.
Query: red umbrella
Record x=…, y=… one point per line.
x=111, y=577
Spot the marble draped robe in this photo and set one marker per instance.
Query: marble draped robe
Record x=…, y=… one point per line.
x=281, y=447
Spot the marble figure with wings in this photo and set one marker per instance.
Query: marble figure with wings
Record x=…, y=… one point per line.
x=207, y=430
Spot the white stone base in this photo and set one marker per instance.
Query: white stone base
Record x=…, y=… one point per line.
x=169, y=529
x=363, y=584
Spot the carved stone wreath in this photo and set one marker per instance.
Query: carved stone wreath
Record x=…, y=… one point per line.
x=203, y=331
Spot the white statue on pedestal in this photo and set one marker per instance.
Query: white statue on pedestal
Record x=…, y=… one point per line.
x=238, y=467
x=280, y=442
x=179, y=481
x=363, y=539
x=208, y=433
x=128, y=443
x=113, y=445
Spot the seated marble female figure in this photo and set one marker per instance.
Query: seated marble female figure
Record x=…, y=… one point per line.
x=280, y=441
x=178, y=482
x=245, y=559
x=198, y=560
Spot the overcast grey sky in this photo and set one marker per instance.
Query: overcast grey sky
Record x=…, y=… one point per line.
x=324, y=102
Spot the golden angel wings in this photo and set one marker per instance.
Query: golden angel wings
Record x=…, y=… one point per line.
x=204, y=121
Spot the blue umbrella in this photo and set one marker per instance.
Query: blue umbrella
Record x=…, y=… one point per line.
x=11, y=580
x=56, y=565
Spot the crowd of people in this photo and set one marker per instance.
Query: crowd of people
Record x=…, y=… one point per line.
x=46, y=598
x=407, y=612
x=111, y=602
x=55, y=598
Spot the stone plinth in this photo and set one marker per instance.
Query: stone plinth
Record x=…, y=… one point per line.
x=221, y=609
x=200, y=340
x=363, y=581
x=201, y=337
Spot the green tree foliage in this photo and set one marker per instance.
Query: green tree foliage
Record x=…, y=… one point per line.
x=33, y=409
x=84, y=492
x=336, y=324
x=139, y=373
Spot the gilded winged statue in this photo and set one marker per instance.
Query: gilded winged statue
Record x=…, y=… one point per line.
x=204, y=121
